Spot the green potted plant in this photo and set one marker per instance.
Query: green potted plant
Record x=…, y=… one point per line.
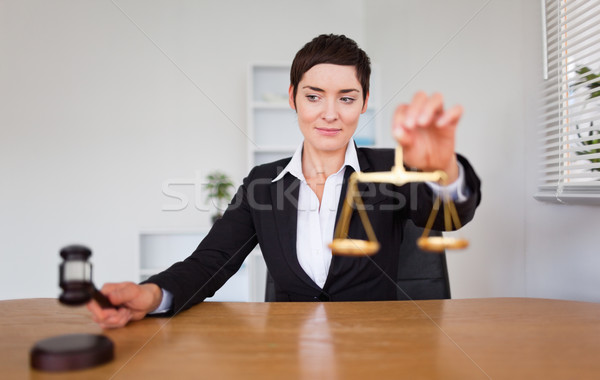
x=586, y=75
x=218, y=192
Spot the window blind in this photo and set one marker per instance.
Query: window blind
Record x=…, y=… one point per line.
x=570, y=117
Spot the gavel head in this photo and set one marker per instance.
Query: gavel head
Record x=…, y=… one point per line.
x=75, y=275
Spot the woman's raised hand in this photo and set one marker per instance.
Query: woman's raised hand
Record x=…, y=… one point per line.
x=426, y=132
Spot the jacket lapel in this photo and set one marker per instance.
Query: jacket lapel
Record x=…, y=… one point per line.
x=284, y=197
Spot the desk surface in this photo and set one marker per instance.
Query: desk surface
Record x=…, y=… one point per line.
x=463, y=339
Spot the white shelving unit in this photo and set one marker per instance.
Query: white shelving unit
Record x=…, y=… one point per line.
x=159, y=249
x=272, y=124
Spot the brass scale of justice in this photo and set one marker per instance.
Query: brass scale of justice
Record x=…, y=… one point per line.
x=343, y=246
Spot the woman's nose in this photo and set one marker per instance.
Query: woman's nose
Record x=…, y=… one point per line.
x=330, y=112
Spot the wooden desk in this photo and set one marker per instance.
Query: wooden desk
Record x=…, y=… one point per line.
x=501, y=338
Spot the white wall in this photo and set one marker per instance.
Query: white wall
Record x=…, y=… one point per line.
x=94, y=119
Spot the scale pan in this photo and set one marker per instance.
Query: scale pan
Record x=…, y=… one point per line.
x=353, y=247
x=441, y=243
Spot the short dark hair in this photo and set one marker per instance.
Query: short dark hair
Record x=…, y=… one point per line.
x=334, y=49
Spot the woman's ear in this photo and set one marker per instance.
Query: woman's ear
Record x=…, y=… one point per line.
x=291, y=99
x=365, y=105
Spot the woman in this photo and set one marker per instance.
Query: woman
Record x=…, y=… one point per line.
x=289, y=207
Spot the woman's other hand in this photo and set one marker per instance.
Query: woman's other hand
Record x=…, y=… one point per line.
x=134, y=302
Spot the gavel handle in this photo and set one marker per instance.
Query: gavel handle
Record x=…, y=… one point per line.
x=102, y=300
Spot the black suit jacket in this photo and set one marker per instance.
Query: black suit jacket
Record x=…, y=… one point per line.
x=265, y=212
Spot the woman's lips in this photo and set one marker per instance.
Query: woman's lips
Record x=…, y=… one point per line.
x=328, y=131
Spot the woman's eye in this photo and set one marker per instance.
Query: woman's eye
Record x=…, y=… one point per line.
x=347, y=99
x=312, y=98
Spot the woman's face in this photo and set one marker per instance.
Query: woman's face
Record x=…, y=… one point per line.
x=329, y=102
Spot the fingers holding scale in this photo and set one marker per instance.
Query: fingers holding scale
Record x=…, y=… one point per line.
x=450, y=117
x=399, y=129
x=423, y=111
x=431, y=110
x=426, y=132
x=413, y=111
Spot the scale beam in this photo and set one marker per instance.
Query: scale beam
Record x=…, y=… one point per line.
x=342, y=245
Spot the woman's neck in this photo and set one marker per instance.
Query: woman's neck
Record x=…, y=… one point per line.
x=321, y=163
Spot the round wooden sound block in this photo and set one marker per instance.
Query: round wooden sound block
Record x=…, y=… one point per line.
x=71, y=352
